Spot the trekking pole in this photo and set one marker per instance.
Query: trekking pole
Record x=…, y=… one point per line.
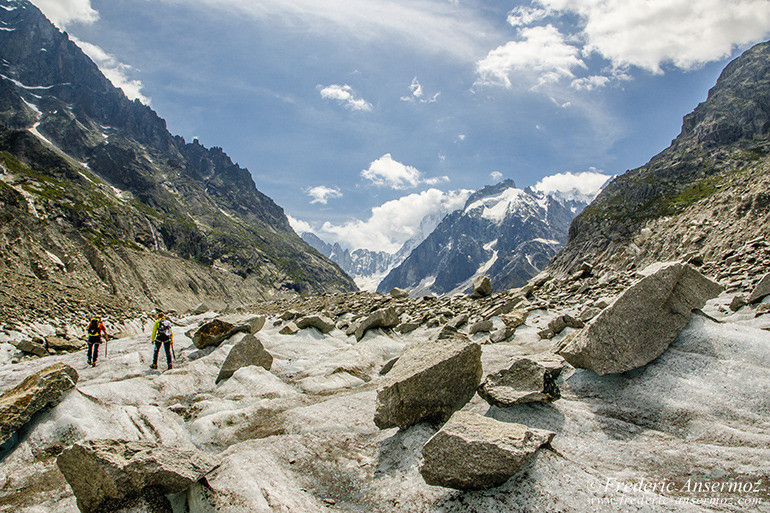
x=105, y=347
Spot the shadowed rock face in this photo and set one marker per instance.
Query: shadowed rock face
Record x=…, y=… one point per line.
x=472, y=452
x=44, y=388
x=430, y=381
x=105, y=473
x=642, y=322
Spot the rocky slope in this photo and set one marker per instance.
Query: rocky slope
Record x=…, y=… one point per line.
x=706, y=195
x=506, y=233
x=104, y=209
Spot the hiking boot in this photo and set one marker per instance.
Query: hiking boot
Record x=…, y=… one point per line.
x=170, y=366
x=89, y=362
x=93, y=364
x=153, y=366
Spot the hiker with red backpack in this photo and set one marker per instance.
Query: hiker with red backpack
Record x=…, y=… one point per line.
x=95, y=329
x=162, y=334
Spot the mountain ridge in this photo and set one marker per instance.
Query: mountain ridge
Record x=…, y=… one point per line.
x=507, y=233
x=715, y=170
x=147, y=194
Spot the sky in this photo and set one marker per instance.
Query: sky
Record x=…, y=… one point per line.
x=360, y=117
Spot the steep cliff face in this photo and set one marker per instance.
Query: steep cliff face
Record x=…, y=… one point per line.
x=102, y=179
x=506, y=233
x=709, y=188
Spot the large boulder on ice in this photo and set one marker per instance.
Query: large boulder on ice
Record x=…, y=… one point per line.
x=472, y=452
x=526, y=380
x=642, y=322
x=482, y=286
x=248, y=351
x=320, y=322
x=761, y=290
x=47, y=387
x=104, y=474
x=384, y=318
x=217, y=331
x=430, y=381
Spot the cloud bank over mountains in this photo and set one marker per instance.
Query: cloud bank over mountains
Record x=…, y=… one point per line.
x=646, y=34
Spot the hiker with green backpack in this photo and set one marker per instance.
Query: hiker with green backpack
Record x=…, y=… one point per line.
x=162, y=335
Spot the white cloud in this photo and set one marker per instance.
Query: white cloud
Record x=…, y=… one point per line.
x=643, y=34
x=62, y=12
x=586, y=184
x=434, y=26
x=115, y=71
x=322, y=194
x=298, y=225
x=523, y=16
x=590, y=83
x=542, y=55
x=417, y=94
x=393, y=223
x=496, y=176
x=650, y=33
x=344, y=94
x=386, y=172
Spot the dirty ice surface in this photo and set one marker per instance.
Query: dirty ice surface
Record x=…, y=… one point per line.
x=688, y=432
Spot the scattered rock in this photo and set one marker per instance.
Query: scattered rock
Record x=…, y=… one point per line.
x=35, y=347
x=320, y=322
x=482, y=326
x=248, y=351
x=63, y=345
x=527, y=380
x=407, y=327
x=215, y=332
x=47, y=387
x=289, y=329
x=502, y=334
x=564, y=321
x=388, y=366
x=642, y=322
x=458, y=321
x=482, y=286
x=290, y=315
x=104, y=474
x=472, y=452
x=515, y=318
x=761, y=290
x=738, y=302
x=384, y=318
x=398, y=293
x=430, y=381
x=257, y=324
x=589, y=313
